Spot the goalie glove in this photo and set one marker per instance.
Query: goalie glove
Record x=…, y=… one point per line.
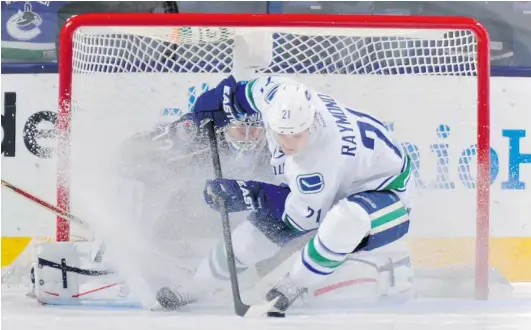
x=223, y=104
x=264, y=198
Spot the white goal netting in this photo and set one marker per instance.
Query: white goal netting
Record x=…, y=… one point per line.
x=128, y=79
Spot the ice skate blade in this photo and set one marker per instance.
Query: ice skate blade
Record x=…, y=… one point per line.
x=260, y=310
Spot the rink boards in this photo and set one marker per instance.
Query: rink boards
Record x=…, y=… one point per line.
x=447, y=195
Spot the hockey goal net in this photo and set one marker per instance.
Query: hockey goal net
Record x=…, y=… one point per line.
x=427, y=78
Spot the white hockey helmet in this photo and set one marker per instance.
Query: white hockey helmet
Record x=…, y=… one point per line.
x=289, y=109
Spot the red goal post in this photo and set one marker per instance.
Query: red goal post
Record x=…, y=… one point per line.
x=481, y=72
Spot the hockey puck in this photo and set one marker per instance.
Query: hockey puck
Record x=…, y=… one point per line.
x=275, y=314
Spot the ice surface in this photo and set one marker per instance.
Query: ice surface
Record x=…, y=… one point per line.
x=19, y=312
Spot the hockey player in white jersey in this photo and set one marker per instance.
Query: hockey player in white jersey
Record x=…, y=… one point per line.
x=343, y=174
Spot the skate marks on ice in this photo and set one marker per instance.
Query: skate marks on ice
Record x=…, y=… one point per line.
x=19, y=312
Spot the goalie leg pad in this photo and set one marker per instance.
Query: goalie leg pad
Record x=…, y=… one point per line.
x=356, y=281
x=396, y=269
x=367, y=278
x=64, y=276
x=52, y=283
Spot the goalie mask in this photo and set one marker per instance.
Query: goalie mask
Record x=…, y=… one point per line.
x=245, y=136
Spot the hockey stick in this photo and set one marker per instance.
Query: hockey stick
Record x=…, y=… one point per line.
x=240, y=308
x=58, y=211
x=66, y=216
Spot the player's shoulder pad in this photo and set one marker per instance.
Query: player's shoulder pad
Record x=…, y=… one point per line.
x=310, y=183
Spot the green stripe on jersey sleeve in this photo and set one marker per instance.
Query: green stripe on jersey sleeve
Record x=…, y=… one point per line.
x=400, y=181
x=291, y=224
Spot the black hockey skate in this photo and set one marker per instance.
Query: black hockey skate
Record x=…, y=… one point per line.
x=173, y=298
x=287, y=292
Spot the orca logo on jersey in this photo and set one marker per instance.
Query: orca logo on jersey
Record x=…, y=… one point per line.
x=271, y=94
x=247, y=199
x=310, y=183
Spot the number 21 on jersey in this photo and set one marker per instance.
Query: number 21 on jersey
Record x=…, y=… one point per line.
x=369, y=124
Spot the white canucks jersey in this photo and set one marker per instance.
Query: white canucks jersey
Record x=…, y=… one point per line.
x=349, y=152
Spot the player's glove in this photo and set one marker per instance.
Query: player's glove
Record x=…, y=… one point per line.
x=264, y=198
x=221, y=105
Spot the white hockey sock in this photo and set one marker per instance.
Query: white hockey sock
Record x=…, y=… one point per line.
x=341, y=231
x=316, y=262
